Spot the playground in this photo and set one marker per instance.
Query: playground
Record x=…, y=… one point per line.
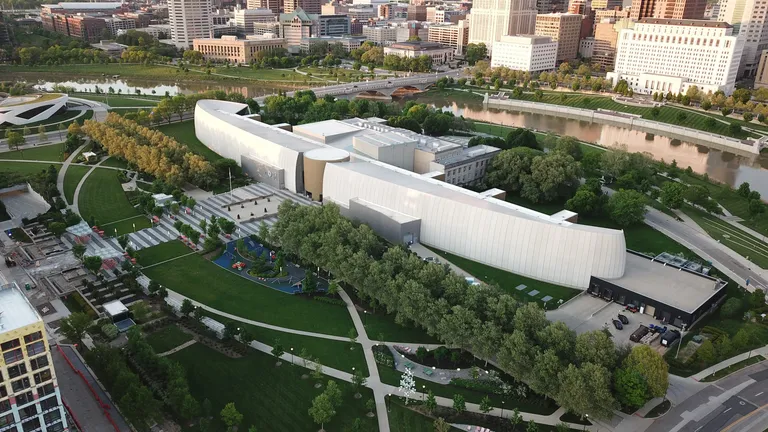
x=290, y=283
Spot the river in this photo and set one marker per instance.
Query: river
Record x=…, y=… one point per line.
x=722, y=166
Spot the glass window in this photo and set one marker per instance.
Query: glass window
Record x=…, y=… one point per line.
x=10, y=344
x=6, y=420
x=58, y=427
x=35, y=348
x=33, y=337
x=43, y=376
x=20, y=384
x=31, y=425
x=13, y=356
x=45, y=390
x=3, y=391
x=52, y=416
x=24, y=398
x=16, y=371
x=28, y=411
x=5, y=405
x=49, y=403
x=39, y=362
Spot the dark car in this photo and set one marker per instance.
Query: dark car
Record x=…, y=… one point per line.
x=618, y=325
x=623, y=319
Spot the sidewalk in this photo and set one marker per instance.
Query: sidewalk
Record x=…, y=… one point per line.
x=725, y=363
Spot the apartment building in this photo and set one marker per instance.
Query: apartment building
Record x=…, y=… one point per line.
x=642, y=9
x=392, y=11
x=233, y=50
x=114, y=25
x=587, y=47
x=525, y=53
x=29, y=394
x=190, y=20
x=565, y=29
x=441, y=14
x=551, y=6
x=452, y=35
x=440, y=54
x=275, y=6
x=615, y=13
x=246, y=18
x=333, y=25
x=660, y=55
x=86, y=27
x=380, y=35
x=492, y=19
x=416, y=12
x=71, y=8
x=749, y=19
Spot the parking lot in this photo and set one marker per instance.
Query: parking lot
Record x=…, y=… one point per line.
x=586, y=313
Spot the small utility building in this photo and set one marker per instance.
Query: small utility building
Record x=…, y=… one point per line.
x=670, y=293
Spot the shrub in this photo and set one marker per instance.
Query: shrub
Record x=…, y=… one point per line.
x=109, y=330
x=730, y=308
x=330, y=300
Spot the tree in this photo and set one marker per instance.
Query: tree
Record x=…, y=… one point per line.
x=706, y=353
x=230, y=416
x=74, y=326
x=278, y=351
x=15, y=139
x=485, y=404
x=532, y=427
x=358, y=380
x=78, y=249
x=370, y=405
x=742, y=340
x=757, y=298
x=627, y=207
x=41, y=135
x=92, y=263
x=569, y=146
x=672, y=194
x=731, y=308
x=476, y=52
x=309, y=284
x=631, y=389
x=441, y=425
x=431, y=403
x=123, y=240
x=697, y=194
x=516, y=418
x=459, y=404
x=187, y=307
x=322, y=411
x=652, y=367
x=585, y=202
x=597, y=348
x=744, y=190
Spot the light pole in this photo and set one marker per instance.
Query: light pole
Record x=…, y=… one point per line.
x=682, y=335
x=424, y=391
x=134, y=228
x=587, y=417
x=292, y=356
x=388, y=402
x=502, y=409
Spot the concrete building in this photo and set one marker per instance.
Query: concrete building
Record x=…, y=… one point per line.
x=296, y=26
x=642, y=9
x=380, y=34
x=761, y=77
x=29, y=397
x=114, y=25
x=71, y=8
x=606, y=38
x=525, y=53
x=616, y=14
x=441, y=14
x=334, y=25
x=31, y=108
x=246, y=18
x=680, y=9
x=266, y=28
x=438, y=53
x=749, y=19
x=416, y=12
x=347, y=42
x=392, y=11
x=671, y=55
x=564, y=28
x=607, y=4
x=587, y=47
x=452, y=35
x=276, y=6
x=551, y=6
x=362, y=13
x=110, y=47
x=492, y=19
x=190, y=20
x=233, y=50
x=308, y=6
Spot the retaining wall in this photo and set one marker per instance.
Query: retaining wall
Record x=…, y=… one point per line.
x=627, y=121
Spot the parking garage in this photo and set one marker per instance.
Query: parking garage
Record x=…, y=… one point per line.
x=672, y=294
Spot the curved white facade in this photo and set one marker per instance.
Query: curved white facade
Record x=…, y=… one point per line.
x=484, y=229
x=21, y=110
x=220, y=128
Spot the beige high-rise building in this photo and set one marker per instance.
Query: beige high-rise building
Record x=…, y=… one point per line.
x=309, y=6
x=190, y=20
x=616, y=13
x=761, y=77
x=606, y=37
x=273, y=5
x=642, y=9
x=246, y=18
x=607, y=4
x=749, y=19
x=453, y=35
x=680, y=9
x=564, y=28
x=492, y=19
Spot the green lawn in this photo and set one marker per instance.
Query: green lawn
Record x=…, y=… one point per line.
x=533, y=404
x=72, y=178
x=167, y=338
x=331, y=353
x=126, y=226
x=51, y=153
x=102, y=197
x=381, y=324
x=120, y=101
x=204, y=281
x=26, y=168
x=162, y=252
x=502, y=131
x=115, y=162
x=738, y=240
x=269, y=397
x=402, y=419
x=508, y=281
x=184, y=132
x=733, y=368
x=667, y=114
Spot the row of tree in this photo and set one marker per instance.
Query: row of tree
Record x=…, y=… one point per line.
x=575, y=371
x=150, y=151
x=180, y=104
x=422, y=118
x=305, y=107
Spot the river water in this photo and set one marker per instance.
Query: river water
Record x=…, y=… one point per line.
x=722, y=166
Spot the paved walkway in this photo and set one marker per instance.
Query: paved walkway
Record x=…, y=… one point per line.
x=63, y=171
x=733, y=360
x=178, y=348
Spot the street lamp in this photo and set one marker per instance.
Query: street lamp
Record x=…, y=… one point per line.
x=292, y=356
x=502, y=409
x=424, y=391
x=682, y=335
x=134, y=227
x=388, y=402
x=587, y=417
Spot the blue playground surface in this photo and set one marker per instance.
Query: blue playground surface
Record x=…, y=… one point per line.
x=290, y=284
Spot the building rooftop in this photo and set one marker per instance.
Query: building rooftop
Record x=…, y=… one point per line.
x=114, y=308
x=468, y=154
x=687, y=23
x=15, y=309
x=327, y=154
x=666, y=283
x=84, y=5
x=527, y=39
x=417, y=46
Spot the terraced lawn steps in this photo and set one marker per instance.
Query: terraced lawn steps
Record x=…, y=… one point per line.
x=203, y=281
x=269, y=397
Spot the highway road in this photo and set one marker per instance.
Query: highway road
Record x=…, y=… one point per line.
x=738, y=403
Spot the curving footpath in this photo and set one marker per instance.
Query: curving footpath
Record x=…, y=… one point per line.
x=63, y=171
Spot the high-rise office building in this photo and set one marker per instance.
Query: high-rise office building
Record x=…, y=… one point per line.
x=246, y=18
x=642, y=9
x=749, y=19
x=680, y=9
x=565, y=28
x=492, y=19
x=551, y=6
x=29, y=394
x=190, y=20
x=607, y=4
x=308, y=6
x=274, y=5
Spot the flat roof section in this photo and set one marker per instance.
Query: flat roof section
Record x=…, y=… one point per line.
x=15, y=310
x=667, y=284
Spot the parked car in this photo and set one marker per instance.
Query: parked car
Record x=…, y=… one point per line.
x=618, y=325
x=432, y=260
x=639, y=333
x=623, y=319
x=632, y=308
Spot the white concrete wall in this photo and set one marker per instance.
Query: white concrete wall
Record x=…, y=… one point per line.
x=484, y=231
x=10, y=113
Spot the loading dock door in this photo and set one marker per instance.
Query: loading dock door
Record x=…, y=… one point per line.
x=650, y=310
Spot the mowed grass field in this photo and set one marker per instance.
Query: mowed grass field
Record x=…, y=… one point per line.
x=53, y=153
x=102, y=197
x=26, y=168
x=72, y=178
x=184, y=133
x=167, y=338
x=270, y=398
x=163, y=252
x=201, y=280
